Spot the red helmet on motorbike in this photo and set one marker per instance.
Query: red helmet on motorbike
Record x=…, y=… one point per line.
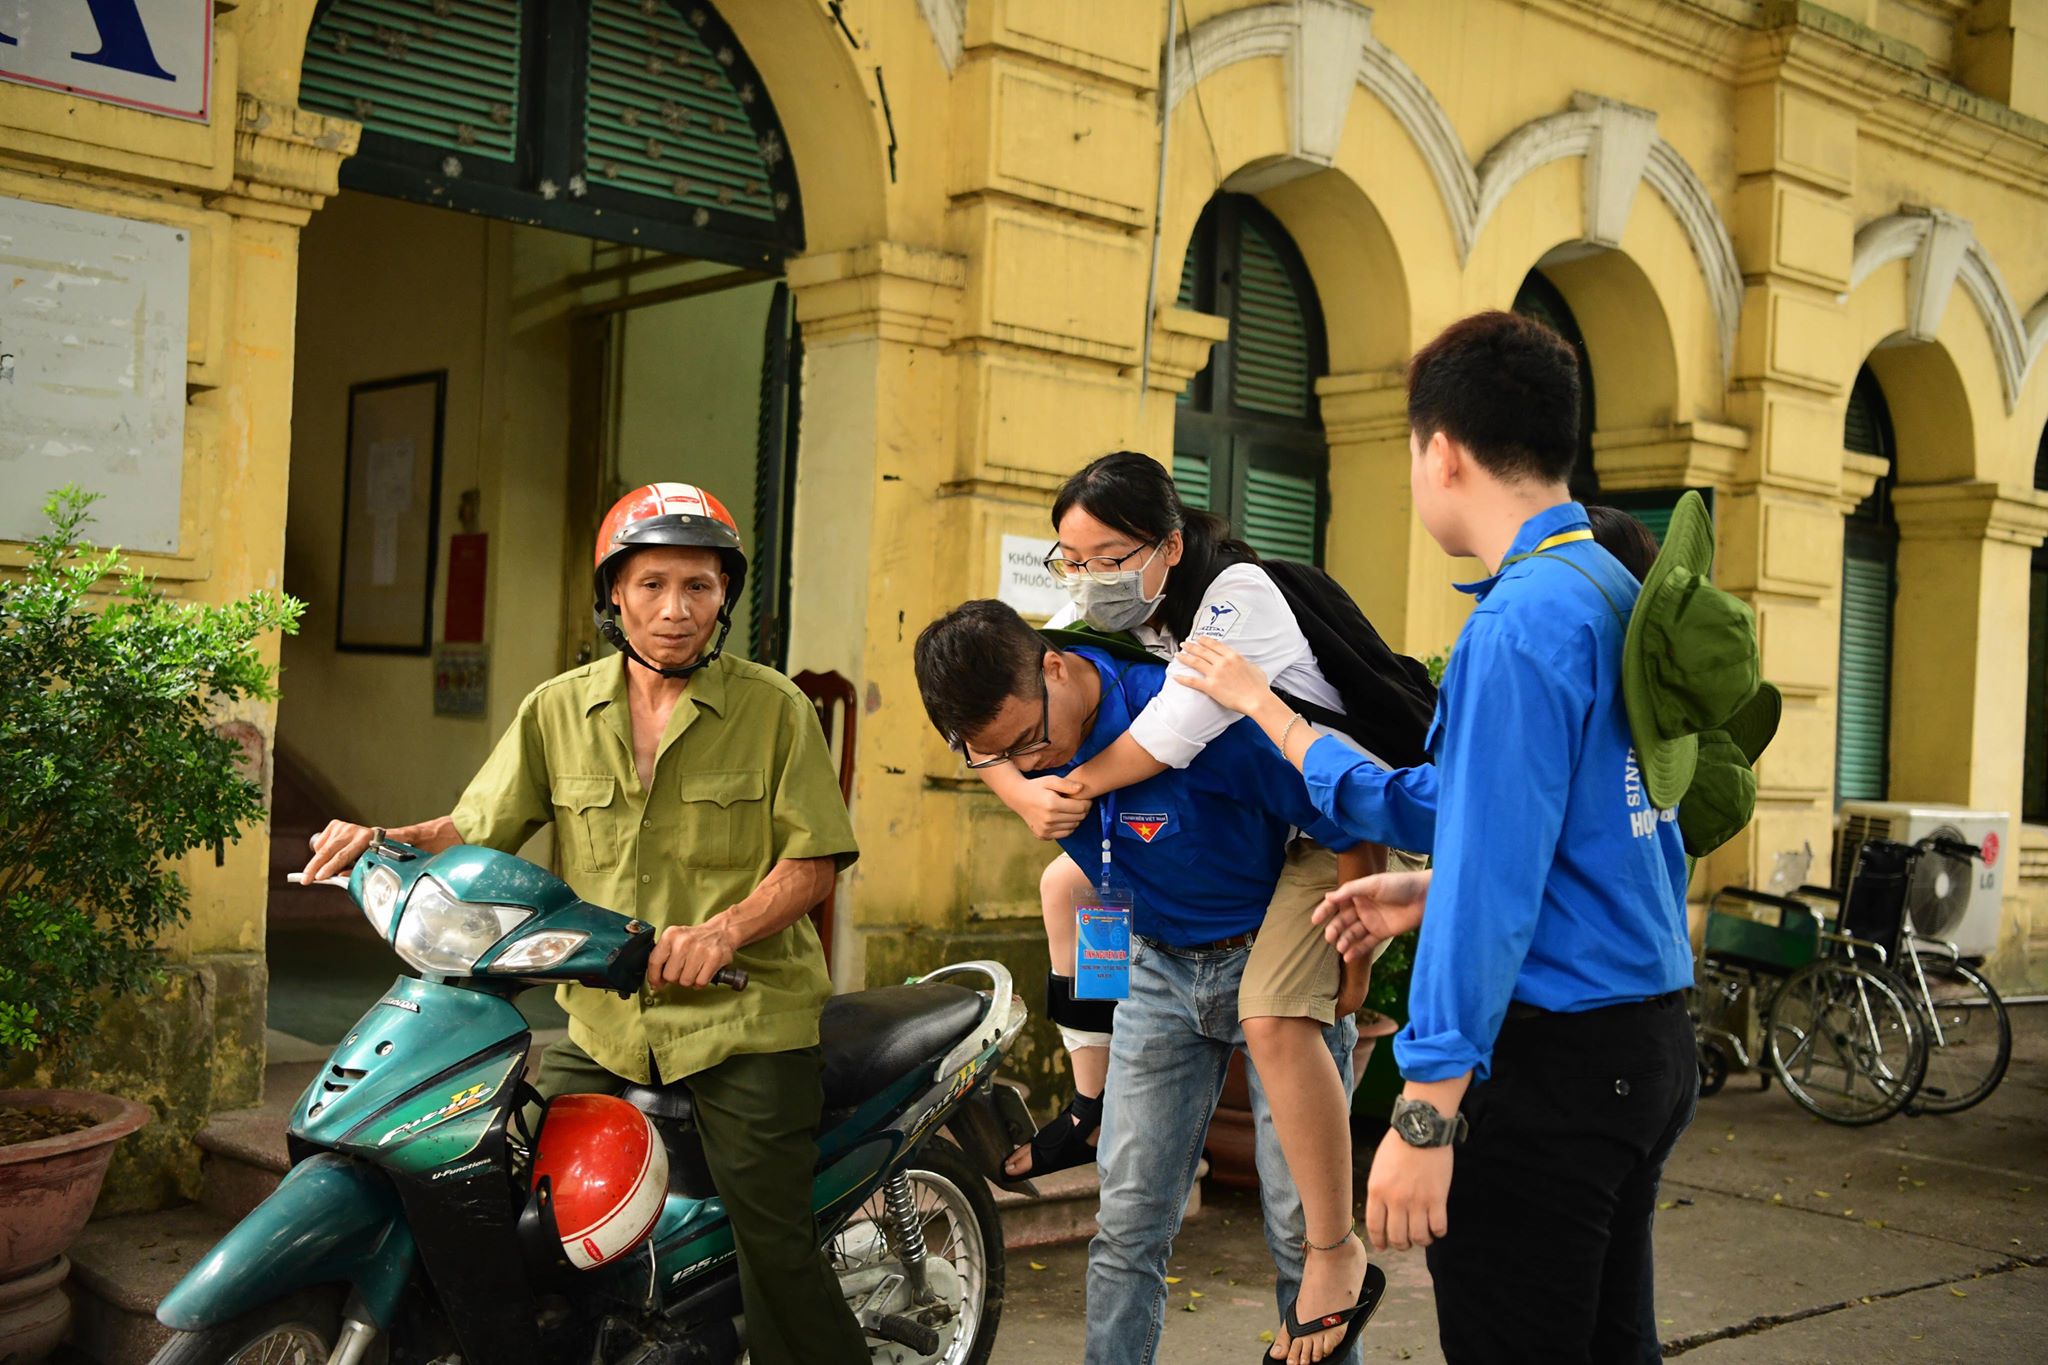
x=667, y=514
x=607, y=1174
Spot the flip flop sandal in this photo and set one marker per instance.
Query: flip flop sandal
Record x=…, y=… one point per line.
x=1063, y=1141
x=1352, y=1319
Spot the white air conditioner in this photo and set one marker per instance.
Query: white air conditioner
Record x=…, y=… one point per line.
x=1949, y=900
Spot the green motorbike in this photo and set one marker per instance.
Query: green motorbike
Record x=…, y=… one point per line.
x=403, y=1232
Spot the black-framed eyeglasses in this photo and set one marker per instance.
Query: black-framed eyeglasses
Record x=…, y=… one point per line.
x=1028, y=747
x=1102, y=568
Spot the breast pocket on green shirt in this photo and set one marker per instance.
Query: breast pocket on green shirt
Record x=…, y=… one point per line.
x=586, y=821
x=723, y=819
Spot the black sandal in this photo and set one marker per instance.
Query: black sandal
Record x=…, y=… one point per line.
x=1063, y=1141
x=1352, y=1319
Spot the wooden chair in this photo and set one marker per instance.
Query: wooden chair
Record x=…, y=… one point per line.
x=837, y=705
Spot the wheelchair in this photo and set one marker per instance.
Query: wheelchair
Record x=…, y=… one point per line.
x=1839, y=1029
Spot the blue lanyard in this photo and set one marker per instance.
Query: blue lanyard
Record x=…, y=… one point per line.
x=1105, y=809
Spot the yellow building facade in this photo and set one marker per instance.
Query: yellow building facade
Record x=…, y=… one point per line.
x=981, y=255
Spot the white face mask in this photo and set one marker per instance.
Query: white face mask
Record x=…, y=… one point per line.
x=1118, y=603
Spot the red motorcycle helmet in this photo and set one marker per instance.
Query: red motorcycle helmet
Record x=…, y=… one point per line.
x=606, y=1175
x=666, y=514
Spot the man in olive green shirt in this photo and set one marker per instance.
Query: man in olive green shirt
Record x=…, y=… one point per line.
x=695, y=792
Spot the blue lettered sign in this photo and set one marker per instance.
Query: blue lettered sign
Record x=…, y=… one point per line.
x=147, y=54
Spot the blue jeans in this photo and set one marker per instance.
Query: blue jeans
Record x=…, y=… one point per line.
x=1172, y=1043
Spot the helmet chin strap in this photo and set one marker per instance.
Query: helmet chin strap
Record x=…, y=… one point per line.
x=608, y=626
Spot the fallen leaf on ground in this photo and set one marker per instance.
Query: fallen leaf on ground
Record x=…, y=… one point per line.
x=1173, y=1279
x=1873, y=1222
x=1957, y=1292
x=1667, y=1204
x=1777, y=1199
x=1822, y=1194
x=1266, y=1337
x=1035, y=1265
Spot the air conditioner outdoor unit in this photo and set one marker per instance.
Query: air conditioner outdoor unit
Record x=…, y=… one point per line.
x=1949, y=899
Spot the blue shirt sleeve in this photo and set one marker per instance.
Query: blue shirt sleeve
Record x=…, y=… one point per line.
x=1512, y=726
x=1253, y=770
x=1396, y=808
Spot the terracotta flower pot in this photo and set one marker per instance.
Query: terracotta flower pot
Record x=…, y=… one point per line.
x=1232, y=1132
x=47, y=1190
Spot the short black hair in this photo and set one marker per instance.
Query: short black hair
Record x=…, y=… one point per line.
x=1505, y=387
x=972, y=660
x=1624, y=537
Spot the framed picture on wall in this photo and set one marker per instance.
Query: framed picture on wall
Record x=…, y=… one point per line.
x=390, y=514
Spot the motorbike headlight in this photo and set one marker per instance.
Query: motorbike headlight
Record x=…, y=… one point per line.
x=380, y=898
x=541, y=951
x=440, y=934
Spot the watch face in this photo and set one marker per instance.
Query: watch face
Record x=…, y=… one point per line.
x=1414, y=1126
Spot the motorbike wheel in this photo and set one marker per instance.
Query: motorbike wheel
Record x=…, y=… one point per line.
x=958, y=1214
x=297, y=1330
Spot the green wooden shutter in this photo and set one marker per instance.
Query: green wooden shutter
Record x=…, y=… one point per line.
x=1271, y=364
x=1191, y=477
x=665, y=119
x=1281, y=513
x=1863, y=720
x=445, y=74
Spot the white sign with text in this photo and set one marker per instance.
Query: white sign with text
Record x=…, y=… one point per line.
x=155, y=55
x=1024, y=583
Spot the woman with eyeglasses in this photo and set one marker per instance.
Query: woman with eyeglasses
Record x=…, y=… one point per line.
x=1138, y=562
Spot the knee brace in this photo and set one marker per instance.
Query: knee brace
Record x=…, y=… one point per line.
x=1090, y=1016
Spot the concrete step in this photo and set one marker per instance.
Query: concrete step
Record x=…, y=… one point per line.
x=121, y=1270
x=245, y=1148
x=1066, y=1211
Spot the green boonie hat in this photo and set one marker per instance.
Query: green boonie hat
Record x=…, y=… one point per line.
x=1721, y=798
x=1753, y=726
x=1689, y=661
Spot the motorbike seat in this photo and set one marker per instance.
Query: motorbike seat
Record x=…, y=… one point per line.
x=869, y=1040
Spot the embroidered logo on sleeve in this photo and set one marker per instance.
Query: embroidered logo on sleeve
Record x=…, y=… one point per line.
x=1146, y=827
x=1219, y=621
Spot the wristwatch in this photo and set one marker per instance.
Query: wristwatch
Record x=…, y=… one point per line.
x=1420, y=1125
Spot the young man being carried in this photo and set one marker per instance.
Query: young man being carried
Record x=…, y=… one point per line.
x=1201, y=849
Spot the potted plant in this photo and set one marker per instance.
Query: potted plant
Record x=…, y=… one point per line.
x=113, y=764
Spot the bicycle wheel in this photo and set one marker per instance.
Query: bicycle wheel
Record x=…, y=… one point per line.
x=1969, y=1037
x=1844, y=1041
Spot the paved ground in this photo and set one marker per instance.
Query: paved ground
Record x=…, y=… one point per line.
x=1782, y=1239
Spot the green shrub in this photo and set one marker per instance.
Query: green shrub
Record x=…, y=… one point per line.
x=112, y=764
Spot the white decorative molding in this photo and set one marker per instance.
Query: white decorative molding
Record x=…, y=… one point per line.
x=1331, y=34
x=2037, y=332
x=1622, y=151
x=1682, y=189
x=1315, y=38
x=1942, y=251
x=947, y=19
x=1615, y=162
x=1394, y=83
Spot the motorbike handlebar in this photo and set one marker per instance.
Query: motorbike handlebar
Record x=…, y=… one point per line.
x=628, y=969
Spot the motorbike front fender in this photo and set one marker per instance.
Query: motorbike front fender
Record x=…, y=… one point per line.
x=331, y=1220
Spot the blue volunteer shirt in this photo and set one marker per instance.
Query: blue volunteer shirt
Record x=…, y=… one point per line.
x=1556, y=882
x=1200, y=847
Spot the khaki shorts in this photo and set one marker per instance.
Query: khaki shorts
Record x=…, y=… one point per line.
x=1293, y=972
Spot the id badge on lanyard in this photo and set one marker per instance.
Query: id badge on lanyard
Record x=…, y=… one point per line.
x=1102, y=923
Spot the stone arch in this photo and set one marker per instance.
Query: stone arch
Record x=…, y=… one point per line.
x=1926, y=376
x=1621, y=150
x=1628, y=336
x=1941, y=252
x=1328, y=49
